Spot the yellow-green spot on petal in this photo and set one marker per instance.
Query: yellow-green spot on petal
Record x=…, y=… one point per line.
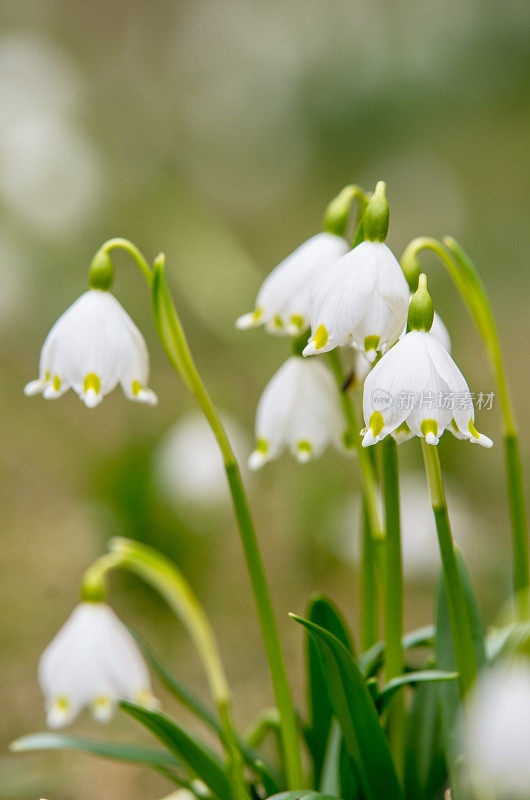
x=257, y=313
x=321, y=337
x=376, y=423
x=472, y=430
x=277, y=321
x=47, y=375
x=262, y=446
x=93, y=382
x=62, y=704
x=298, y=320
x=454, y=426
x=56, y=383
x=429, y=426
x=136, y=388
x=101, y=702
x=304, y=446
x=371, y=343
x=403, y=428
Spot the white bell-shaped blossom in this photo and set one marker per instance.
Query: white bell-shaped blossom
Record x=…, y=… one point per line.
x=93, y=662
x=496, y=732
x=91, y=348
x=282, y=304
x=417, y=386
x=362, y=299
x=299, y=410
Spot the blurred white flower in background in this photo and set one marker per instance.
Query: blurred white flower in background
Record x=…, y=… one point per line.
x=496, y=731
x=51, y=173
x=93, y=662
x=421, y=556
x=187, y=463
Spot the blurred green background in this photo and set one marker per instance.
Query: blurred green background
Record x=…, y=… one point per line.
x=217, y=131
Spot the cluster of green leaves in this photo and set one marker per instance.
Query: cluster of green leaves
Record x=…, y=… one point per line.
x=345, y=732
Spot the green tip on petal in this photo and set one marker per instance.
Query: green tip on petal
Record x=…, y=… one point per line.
x=376, y=423
x=421, y=308
x=321, y=337
x=429, y=428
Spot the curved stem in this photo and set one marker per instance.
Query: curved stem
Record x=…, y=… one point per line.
x=338, y=210
x=118, y=243
x=175, y=344
x=465, y=658
x=162, y=574
x=467, y=280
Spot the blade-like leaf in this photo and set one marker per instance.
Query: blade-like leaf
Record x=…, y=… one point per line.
x=302, y=796
x=191, y=701
x=448, y=694
x=118, y=751
x=330, y=780
x=357, y=716
x=425, y=770
x=200, y=759
x=371, y=660
x=422, y=676
x=322, y=612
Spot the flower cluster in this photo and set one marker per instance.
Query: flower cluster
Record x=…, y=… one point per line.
x=356, y=298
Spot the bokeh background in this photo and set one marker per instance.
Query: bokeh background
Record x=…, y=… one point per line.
x=217, y=131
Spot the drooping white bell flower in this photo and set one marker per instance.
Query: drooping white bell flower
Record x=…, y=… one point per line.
x=417, y=387
x=282, y=304
x=496, y=731
x=299, y=410
x=93, y=662
x=91, y=348
x=362, y=298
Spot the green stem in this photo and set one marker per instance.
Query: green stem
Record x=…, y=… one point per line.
x=175, y=344
x=460, y=624
x=162, y=574
x=369, y=632
x=365, y=463
x=124, y=244
x=338, y=210
x=393, y=596
x=467, y=280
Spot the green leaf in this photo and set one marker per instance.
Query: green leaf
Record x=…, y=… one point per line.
x=330, y=780
x=324, y=613
x=133, y=753
x=302, y=796
x=422, y=676
x=448, y=694
x=194, y=704
x=200, y=759
x=371, y=660
x=425, y=770
x=357, y=716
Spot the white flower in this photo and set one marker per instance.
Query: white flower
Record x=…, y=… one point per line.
x=298, y=409
x=282, y=304
x=188, y=464
x=91, y=348
x=418, y=384
x=496, y=731
x=362, y=299
x=92, y=663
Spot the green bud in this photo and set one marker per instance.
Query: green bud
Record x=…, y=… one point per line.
x=375, y=219
x=421, y=308
x=410, y=264
x=101, y=274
